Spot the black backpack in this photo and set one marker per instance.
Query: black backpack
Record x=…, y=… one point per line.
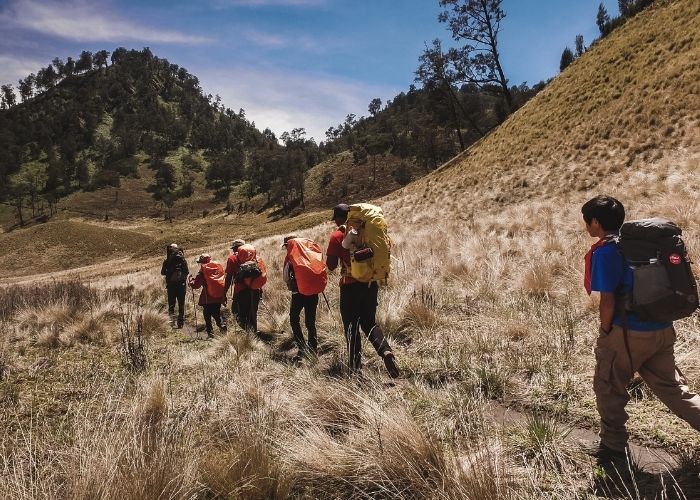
x=664, y=288
x=250, y=269
x=176, y=270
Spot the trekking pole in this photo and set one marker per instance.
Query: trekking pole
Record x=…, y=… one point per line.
x=194, y=305
x=326, y=299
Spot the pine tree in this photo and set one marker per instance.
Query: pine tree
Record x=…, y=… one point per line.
x=603, y=20
x=567, y=57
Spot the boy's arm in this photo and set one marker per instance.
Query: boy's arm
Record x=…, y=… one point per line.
x=607, y=310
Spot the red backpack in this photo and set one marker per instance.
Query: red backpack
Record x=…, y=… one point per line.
x=306, y=259
x=215, y=279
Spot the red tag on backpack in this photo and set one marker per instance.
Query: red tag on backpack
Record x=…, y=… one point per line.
x=675, y=259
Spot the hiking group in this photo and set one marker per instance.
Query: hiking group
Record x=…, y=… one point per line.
x=640, y=268
x=359, y=246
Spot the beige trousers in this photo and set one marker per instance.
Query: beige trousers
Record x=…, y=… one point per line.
x=653, y=358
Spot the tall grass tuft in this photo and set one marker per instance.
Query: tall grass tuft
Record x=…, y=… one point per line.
x=133, y=341
x=72, y=294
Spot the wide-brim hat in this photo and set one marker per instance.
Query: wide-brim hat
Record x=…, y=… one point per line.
x=287, y=238
x=237, y=243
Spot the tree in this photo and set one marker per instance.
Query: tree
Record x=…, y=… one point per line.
x=8, y=97
x=580, y=47
x=60, y=66
x=478, y=23
x=436, y=72
x=100, y=58
x=69, y=68
x=625, y=7
x=82, y=172
x=46, y=77
x=164, y=188
x=603, y=20
x=375, y=106
x=225, y=169
x=18, y=192
x=567, y=57
x=84, y=62
x=26, y=87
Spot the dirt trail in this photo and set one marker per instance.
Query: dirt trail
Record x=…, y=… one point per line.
x=652, y=460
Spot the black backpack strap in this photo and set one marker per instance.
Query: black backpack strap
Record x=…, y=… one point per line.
x=622, y=302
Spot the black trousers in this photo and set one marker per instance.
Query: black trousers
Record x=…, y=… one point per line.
x=245, y=308
x=176, y=293
x=309, y=304
x=213, y=311
x=358, y=309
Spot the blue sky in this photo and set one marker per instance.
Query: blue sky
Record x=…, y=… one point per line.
x=288, y=63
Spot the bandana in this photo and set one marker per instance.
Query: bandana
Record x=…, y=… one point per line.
x=588, y=274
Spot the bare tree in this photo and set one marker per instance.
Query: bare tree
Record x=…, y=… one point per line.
x=478, y=23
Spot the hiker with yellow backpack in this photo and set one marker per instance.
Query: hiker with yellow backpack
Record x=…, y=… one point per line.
x=305, y=274
x=362, y=247
x=210, y=279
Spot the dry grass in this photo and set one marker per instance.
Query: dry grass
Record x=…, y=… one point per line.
x=484, y=307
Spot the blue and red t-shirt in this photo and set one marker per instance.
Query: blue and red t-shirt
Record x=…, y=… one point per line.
x=611, y=273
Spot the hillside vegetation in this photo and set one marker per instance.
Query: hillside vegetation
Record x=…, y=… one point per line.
x=484, y=308
x=626, y=103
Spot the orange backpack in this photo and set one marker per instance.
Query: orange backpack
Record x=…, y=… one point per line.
x=306, y=259
x=215, y=279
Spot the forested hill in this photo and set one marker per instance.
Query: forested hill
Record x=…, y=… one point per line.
x=135, y=120
x=85, y=126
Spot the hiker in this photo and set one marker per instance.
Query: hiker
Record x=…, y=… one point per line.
x=175, y=271
x=358, y=299
x=248, y=274
x=305, y=275
x=627, y=343
x=210, y=279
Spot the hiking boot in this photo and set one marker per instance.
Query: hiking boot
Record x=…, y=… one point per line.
x=210, y=335
x=390, y=363
x=606, y=457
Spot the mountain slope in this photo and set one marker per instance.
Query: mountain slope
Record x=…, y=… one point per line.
x=631, y=99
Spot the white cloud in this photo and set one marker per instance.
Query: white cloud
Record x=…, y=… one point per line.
x=262, y=39
x=84, y=21
x=269, y=40
x=283, y=100
x=12, y=69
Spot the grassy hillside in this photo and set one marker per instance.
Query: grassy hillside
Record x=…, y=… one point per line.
x=484, y=308
x=630, y=100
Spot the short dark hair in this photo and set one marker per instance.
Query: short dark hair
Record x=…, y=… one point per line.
x=608, y=211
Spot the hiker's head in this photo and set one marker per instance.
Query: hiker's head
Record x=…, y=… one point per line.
x=236, y=244
x=287, y=238
x=340, y=214
x=171, y=248
x=204, y=258
x=603, y=214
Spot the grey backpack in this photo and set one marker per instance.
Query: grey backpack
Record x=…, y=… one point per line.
x=664, y=288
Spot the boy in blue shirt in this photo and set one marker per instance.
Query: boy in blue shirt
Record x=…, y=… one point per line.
x=646, y=347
